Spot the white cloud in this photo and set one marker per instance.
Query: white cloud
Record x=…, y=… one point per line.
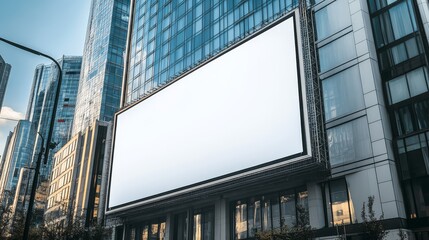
x=9, y=113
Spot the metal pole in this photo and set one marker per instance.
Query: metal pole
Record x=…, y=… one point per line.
x=33, y=192
x=49, y=144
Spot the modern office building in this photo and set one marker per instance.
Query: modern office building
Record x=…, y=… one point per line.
x=102, y=66
x=244, y=116
x=37, y=93
x=19, y=152
x=41, y=102
x=4, y=78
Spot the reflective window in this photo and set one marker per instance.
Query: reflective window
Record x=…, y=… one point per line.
x=202, y=225
x=394, y=24
x=349, y=142
x=408, y=85
x=414, y=156
x=332, y=18
x=339, y=202
x=151, y=230
x=189, y=32
x=289, y=208
x=342, y=93
x=337, y=52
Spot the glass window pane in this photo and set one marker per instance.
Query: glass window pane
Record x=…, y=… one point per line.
x=208, y=226
x=332, y=19
x=422, y=114
x=398, y=89
x=349, y=142
x=404, y=120
x=401, y=20
x=181, y=227
x=275, y=212
x=421, y=195
x=339, y=202
x=337, y=52
x=197, y=231
x=254, y=217
x=241, y=221
x=266, y=215
x=342, y=93
x=288, y=210
x=417, y=82
x=303, y=218
x=145, y=233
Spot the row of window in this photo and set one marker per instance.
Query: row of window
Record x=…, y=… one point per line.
x=251, y=215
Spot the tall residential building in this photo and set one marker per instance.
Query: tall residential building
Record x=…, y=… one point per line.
x=4, y=78
x=19, y=153
x=102, y=66
x=42, y=100
x=247, y=116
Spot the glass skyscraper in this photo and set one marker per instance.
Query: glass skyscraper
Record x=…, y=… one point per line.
x=18, y=155
x=4, y=77
x=365, y=63
x=42, y=100
x=101, y=76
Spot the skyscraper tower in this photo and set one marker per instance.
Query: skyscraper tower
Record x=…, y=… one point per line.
x=42, y=99
x=4, y=77
x=101, y=76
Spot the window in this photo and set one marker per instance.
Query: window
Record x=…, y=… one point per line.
x=202, y=226
x=394, y=24
x=342, y=93
x=269, y=212
x=339, y=202
x=414, y=156
x=332, y=18
x=337, y=52
x=349, y=142
x=151, y=230
x=408, y=85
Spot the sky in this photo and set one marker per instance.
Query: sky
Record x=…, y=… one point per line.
x=53, y=27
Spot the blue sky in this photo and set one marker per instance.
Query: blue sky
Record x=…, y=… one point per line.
x=54, y=27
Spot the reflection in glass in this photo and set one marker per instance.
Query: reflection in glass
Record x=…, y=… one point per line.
x=241, y=221
x=197, y=227
x=339, y=203
x=287, y=202
x=145, y=233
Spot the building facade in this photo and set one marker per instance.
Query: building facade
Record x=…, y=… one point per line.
x=4, y=78
x=363, y=68
x=62, y=185
x=19, y=153
x=41, y=102
x=101, y=75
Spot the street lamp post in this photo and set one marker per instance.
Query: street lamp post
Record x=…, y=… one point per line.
x=49, y=144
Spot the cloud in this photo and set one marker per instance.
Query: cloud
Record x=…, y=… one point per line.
x=8, y=114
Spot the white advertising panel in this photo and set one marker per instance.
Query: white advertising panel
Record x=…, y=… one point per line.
x=238, y=112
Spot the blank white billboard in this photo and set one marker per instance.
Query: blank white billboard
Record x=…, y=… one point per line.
x=239, y=111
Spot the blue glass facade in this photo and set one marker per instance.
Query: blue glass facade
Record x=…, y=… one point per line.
x=171, y=37
x=101, y=77
x=41, y=114
x=18, y=155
